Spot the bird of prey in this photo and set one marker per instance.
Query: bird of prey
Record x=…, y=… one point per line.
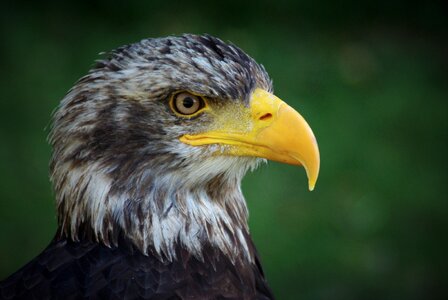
x=148, y=152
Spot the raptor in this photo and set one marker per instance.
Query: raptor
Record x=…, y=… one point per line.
x=149, y=149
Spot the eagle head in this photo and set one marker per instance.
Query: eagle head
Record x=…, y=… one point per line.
x=151, y=146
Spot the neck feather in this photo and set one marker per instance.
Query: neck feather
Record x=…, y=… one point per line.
x=169, y=214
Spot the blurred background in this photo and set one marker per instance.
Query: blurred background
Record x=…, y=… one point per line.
x=369, y=76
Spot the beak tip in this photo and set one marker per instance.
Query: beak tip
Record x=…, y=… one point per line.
x=312, y=174
x=311, y=186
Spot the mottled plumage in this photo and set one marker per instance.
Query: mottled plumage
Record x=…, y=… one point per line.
x=118, y=164
x=122, y=179
x=148, y=196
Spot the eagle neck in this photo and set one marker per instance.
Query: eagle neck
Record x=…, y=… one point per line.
x=161, y=218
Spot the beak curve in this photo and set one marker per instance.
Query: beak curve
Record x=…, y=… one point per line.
x=277, y=132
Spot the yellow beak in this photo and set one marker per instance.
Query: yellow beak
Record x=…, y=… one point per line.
x=270, y=129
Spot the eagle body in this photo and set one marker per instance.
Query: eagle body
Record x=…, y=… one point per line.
x=89, y=270
x=148, y=153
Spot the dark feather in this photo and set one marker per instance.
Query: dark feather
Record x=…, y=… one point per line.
x=122, y=179
x=88, y=270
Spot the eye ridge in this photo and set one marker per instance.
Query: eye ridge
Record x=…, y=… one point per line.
x=186, y=104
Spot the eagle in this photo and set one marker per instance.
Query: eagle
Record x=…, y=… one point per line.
x=148, y=153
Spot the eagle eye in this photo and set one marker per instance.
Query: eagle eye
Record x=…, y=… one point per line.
x=186, y=104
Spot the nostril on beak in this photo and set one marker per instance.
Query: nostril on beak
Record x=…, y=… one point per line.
x=265, y=117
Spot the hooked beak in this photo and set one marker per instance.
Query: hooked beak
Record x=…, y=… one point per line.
x=272, y=130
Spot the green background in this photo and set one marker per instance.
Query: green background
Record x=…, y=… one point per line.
x=369, y=76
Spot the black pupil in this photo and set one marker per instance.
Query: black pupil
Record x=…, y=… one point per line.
x=188, y=102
